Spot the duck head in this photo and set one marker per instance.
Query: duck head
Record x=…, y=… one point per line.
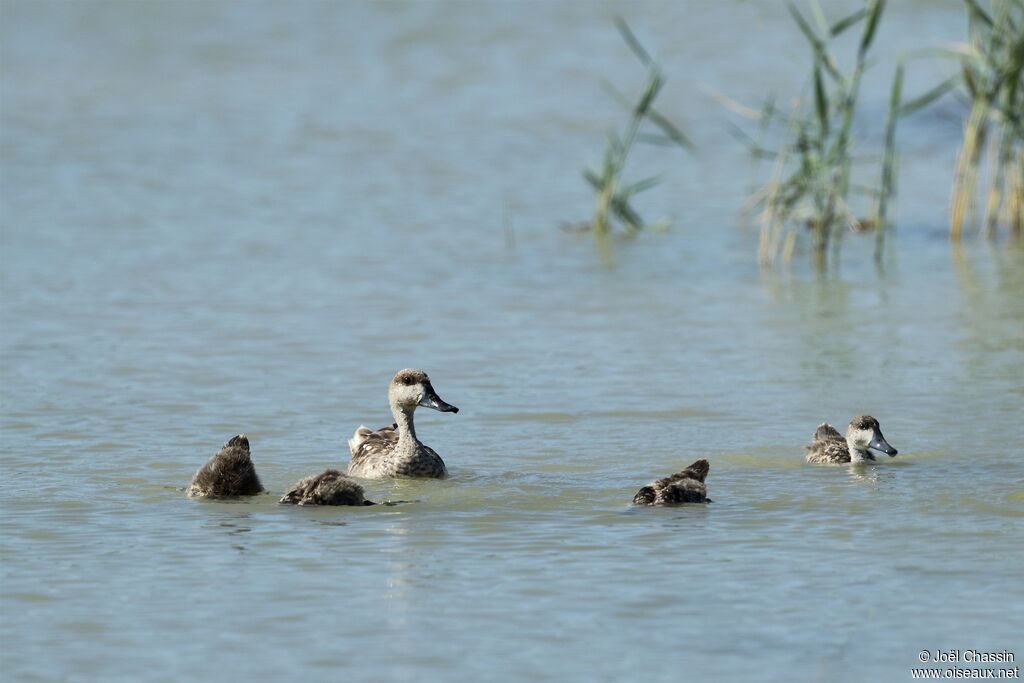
x=865, y=435
x=411, y=388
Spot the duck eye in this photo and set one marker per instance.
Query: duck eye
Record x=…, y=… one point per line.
x=407, y=380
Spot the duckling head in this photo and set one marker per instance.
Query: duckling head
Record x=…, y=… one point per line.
x=411, y=388
x=864, y=434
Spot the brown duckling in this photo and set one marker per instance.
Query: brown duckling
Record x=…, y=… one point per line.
x=683, y=487
x=228, y=474
x=328, y=488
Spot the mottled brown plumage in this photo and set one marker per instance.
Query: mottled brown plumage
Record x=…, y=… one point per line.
x=683, y=487
x=371, y=441
x=828, y=446
x=228, y=474
x=328, y=488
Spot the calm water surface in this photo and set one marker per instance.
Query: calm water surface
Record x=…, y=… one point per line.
x=226, y=217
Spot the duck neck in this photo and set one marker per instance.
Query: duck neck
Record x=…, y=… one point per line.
x=858, y=454
x=406, y=430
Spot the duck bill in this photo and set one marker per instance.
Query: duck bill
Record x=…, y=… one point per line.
x=432, y=400
x=881, y=445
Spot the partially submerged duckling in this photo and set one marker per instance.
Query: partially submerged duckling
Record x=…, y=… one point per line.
x=862, y=437
x=228, y=474
x=683, y=487
x=328, y=488
x=395, y=451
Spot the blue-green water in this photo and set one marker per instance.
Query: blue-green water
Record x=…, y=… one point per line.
x=226, y=217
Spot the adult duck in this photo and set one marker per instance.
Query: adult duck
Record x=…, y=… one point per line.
x=395, y=451
x=863, y=436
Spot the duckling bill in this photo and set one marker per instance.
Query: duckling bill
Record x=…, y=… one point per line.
x=686, y=486
x=863, y=439
x=228, y=474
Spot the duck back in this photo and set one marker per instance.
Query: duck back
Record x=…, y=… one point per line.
x=686, y=486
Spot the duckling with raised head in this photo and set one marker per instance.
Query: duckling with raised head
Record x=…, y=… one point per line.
x=682, y=487
x=395, y=451
x=228, y=474
x=863, y=438
x=328, y=488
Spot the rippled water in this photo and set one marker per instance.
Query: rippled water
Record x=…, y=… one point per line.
x=245, y=217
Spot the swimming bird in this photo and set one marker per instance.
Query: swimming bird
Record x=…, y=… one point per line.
x=328, y=488
x=228, y=474
x=683, y=487
x=862, y=437
x=395, y=451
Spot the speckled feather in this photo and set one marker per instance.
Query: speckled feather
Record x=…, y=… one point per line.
x=228, y=474
x=683, y=487
x=377, y=456
x=828, y=446
x=364, y=434
x=328, y=488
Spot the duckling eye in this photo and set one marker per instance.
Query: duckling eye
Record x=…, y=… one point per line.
x=407, y=380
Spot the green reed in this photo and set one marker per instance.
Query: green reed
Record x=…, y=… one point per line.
x=810, y=186
x=614, y=196
x=992, y=72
